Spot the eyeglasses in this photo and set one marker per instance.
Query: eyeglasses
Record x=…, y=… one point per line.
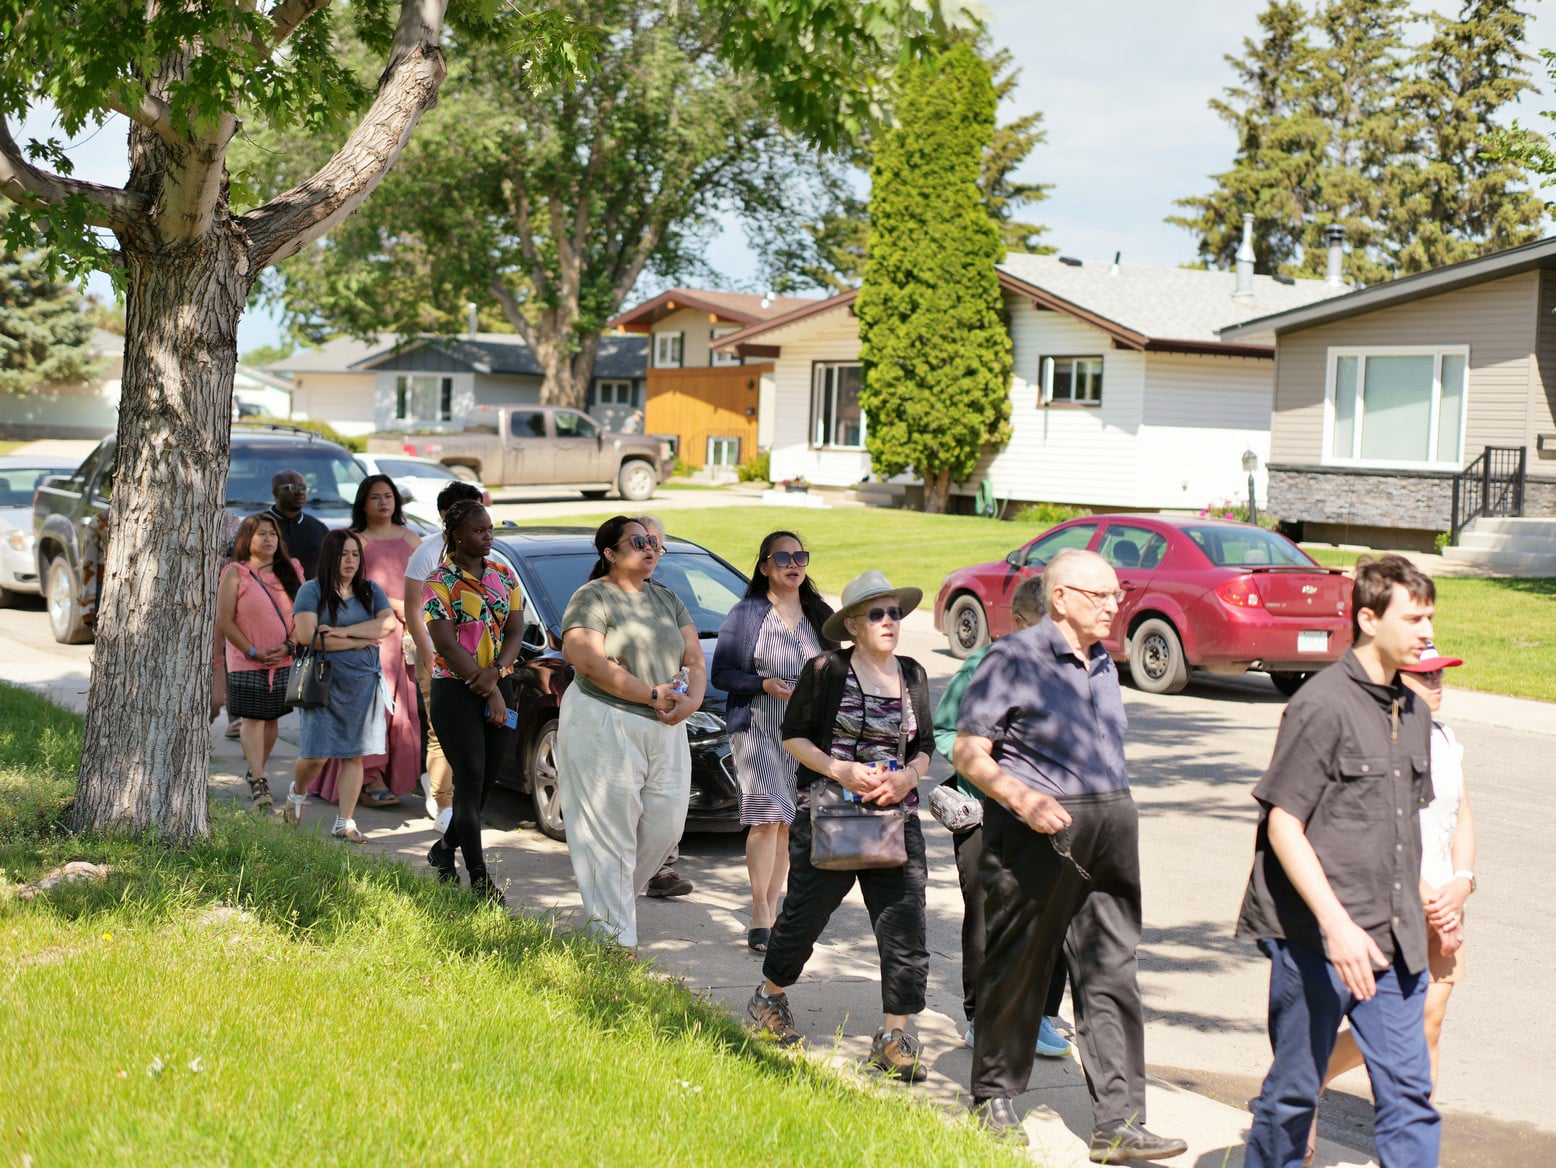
x=1116, y=596
x=1064, y=848
x=642, y=542
x=876, y=615
x=790, y=559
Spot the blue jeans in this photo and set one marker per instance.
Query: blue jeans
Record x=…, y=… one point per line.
x=1307, y=1002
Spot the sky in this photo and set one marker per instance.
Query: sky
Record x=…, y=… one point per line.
x=1123, y=86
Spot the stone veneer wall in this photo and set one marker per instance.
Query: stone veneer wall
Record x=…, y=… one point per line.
x=1412, y=500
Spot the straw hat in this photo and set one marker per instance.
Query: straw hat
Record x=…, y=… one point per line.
x=857, y=595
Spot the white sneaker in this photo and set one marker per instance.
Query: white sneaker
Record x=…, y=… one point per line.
x=431, y=803
x=441, y=819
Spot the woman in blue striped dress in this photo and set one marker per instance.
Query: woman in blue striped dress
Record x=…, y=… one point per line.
x=763, y=644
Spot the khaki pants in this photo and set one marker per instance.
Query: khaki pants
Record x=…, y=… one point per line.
x=439, y=774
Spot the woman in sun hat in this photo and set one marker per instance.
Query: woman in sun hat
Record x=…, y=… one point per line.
x=1447, y=867
x=846, y=721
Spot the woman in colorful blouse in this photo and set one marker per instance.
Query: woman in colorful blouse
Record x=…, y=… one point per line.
x=476, y=628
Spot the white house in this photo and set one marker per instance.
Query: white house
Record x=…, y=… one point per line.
x=1123, y=394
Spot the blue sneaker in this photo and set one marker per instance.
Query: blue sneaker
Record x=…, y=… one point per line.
x=1050, y=1043
x=968, y=1037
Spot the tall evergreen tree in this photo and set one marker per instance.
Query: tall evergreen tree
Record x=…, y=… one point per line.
x=1463, y=200
x=44, y=336
x=1280, y=144
x=935, y=351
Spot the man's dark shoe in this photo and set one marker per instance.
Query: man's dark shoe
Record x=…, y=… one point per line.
x=897, y=1053
x=441, y=858
x=998, y=1117
x=1118, y=1142
x=771, y=1015
x=667, y=882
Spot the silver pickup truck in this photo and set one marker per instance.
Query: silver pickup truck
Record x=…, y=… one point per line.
x=532, y=446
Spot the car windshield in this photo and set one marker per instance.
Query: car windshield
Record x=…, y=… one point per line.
x=707, y=588
x=332, y=474
x=1248, y=547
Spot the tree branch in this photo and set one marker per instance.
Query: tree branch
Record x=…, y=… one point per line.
x=513, y=312
x=151, y=111
x=286, y=19
x=407, y=89
x=24, y=183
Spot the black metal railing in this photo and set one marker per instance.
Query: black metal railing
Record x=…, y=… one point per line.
x=1491, y=485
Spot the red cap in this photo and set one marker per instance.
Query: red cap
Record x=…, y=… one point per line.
x=1431, y=661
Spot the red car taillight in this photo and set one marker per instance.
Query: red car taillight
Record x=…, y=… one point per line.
x=1240, y=592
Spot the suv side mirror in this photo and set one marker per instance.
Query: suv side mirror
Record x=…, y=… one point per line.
x=533, y=639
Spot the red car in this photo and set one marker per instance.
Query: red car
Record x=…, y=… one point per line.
x=1199, y=594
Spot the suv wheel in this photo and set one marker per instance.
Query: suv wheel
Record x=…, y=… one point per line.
x=540, y=767
x=636, y=481
x=64, y=604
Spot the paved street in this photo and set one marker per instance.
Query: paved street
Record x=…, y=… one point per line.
x=1194, y=757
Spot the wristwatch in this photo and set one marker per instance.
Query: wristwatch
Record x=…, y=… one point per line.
x=653, y=694
x=1468, y=875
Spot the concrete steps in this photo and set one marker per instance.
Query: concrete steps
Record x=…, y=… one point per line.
x=1517, y=547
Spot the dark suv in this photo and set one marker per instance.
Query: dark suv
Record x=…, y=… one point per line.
x=70, y=512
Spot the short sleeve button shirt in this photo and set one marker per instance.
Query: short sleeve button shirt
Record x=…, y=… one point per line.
x=1057, y=722
x=1352, y=761
x=478, y=606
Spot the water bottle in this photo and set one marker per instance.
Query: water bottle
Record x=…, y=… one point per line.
x=683, y=680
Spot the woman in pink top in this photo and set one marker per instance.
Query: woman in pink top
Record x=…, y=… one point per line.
x=254, y=618
x=387, y=544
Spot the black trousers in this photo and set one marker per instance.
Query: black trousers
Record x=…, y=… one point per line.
x=1035, y=903
x=969, y=852
x=894, y=898
x=475, y=750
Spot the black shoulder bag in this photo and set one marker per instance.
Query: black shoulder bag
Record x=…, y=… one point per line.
x=309, y=686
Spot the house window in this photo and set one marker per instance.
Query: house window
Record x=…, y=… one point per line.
x=723, y=452
x=1072, y=380
x=836, y=419
x=1395, y=406
x=667, y=350
x=423, y=399
x=614, y=393
x=722, y=356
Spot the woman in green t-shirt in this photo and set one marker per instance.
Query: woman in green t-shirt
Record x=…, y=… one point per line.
x=623, y=764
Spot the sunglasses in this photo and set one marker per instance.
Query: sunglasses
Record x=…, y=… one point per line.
x=790, y=559
x=1063, y=848
x=642, y=542
x=876, y=615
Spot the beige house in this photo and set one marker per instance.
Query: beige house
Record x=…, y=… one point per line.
x=1396, y=404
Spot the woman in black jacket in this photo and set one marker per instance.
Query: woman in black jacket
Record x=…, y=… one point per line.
x=860, y=718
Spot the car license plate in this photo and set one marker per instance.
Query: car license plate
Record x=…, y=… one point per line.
x=1312, y=641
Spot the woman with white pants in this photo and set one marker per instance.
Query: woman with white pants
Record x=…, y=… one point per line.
x=623, y=764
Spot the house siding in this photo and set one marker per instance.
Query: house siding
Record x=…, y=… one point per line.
x=698, y=329
x=344, y=400
x=833, y=336
x=1542, y=383
x=1493, y=319
x=1201, y=415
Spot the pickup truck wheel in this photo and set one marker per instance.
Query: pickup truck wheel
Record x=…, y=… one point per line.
x=636, y=481
x=540, y=766
x=64, y=604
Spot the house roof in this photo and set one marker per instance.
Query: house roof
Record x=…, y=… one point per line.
x=742, y=308
x=253, y=375
x=1509, y=262
x=335, y=356
x=506, y=353
x=742, y=341
x=1142, y=307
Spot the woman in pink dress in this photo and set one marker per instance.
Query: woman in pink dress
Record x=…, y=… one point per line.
x=387, y=544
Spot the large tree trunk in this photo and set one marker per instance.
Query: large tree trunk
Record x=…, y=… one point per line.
x=937, y=491
x=145, y=755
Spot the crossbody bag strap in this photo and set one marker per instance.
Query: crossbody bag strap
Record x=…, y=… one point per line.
x=907, y=725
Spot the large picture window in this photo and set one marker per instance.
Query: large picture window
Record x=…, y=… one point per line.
x=835, y=416
x=423, y=399
x=1072, y=381
x=1396, y=407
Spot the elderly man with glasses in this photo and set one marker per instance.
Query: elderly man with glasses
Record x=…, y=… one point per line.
x=1041, y=733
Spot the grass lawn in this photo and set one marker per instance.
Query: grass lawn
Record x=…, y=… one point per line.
x=7, y=446
x=1505, y=629
x=268, y=996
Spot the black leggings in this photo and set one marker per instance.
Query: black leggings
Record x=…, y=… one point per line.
x=475, y=750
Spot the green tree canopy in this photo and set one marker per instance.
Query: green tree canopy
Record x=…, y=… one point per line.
x=935, y=352
x=45, y=337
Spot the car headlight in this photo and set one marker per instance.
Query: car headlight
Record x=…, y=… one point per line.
x=19, y=539
x=703, y=722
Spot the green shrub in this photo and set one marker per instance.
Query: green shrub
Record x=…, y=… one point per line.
x=1442, y=540
x=757, y=470
x=1047, y=514
x=357, y=445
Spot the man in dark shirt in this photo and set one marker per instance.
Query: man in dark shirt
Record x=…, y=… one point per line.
x=302, y=533
x=1334, y=899
x=1041, y=733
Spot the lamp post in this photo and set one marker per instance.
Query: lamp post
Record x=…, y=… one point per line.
x=1251, y=464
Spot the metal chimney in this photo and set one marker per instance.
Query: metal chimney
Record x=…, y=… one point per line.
x=1244, y=292
x=1118, y=255
x=1334, y=274
x=472, y=324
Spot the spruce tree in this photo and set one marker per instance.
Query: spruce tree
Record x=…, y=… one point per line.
x=1462, y=200
x=935, y=351
x=44, y=336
